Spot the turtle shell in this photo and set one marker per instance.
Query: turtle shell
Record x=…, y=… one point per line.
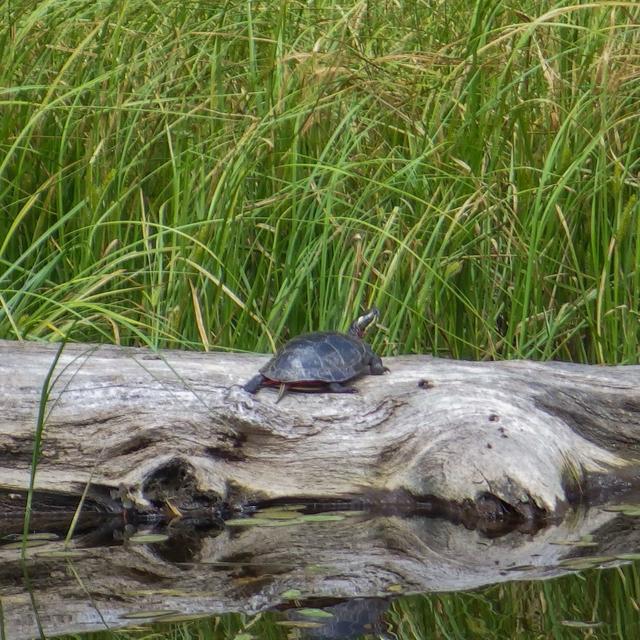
x=323, y=356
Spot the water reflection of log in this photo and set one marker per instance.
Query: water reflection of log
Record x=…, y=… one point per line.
x=174, y=430
x=249, y=569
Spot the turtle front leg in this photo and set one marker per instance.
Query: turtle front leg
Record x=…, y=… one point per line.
x=253, y=386
x=376, y=368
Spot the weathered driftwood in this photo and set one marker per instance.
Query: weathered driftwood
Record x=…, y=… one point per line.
x=145, y=429
x=253, y=569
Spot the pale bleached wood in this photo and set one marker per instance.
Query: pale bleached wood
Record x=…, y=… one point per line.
x=524, y=432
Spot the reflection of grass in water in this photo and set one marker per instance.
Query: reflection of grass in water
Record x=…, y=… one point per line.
x=560, y=608
x=565, y=608
x=229, y=174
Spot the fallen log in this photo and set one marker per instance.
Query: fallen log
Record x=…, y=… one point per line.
x=138, y=429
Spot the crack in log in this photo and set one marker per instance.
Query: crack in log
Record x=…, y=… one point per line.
x=93, y=421
x=17, y=450
x=229, y=455
x=586, y=416
x=134, y=445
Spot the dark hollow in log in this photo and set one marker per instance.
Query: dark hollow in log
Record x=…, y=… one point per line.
x=144, y=430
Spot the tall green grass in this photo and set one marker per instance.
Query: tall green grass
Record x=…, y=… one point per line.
x=224, y=175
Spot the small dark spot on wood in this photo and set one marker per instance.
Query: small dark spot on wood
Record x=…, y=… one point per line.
x=224, y=454
x=425, y=384
x=494, y=417
x=489, y=446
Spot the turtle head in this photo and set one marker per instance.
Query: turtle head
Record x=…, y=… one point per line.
x=359, y=325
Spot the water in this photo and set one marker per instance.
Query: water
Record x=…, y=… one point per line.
x=343, y=574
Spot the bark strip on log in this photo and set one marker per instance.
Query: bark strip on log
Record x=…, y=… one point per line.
x=141, y=428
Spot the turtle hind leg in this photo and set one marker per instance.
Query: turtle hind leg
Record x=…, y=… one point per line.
x=338, y=387
x=283, y=390
x=253, y=386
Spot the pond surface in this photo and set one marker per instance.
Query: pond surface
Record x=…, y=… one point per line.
x=283, y=572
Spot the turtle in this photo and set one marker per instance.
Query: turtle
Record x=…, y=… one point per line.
x=321, y=361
